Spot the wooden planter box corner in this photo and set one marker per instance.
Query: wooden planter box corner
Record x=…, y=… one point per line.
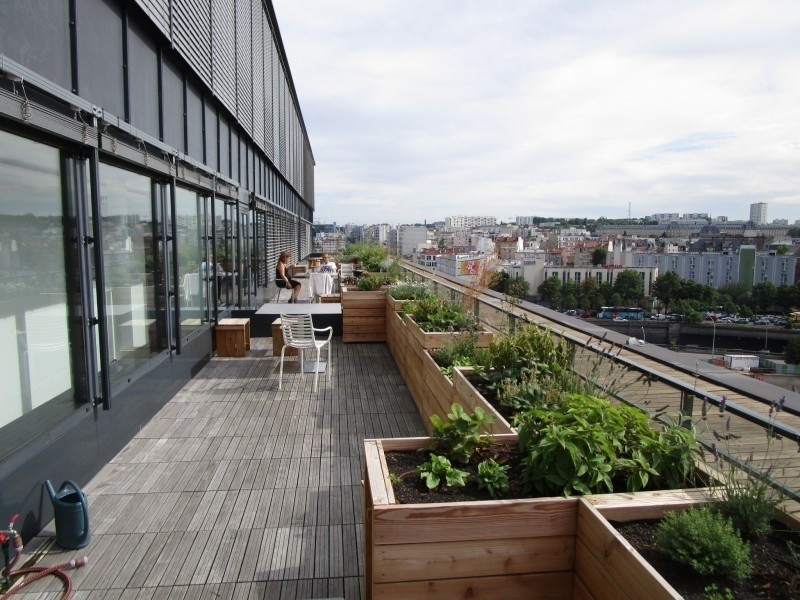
x=436, y=339
x=363, y=316
x=541, y=548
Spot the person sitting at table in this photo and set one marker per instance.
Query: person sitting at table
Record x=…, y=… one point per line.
x=327, y=266
x=282, y=279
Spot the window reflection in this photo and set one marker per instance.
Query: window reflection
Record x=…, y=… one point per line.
x=130, y=264
x=190, y=224
x=35, y=362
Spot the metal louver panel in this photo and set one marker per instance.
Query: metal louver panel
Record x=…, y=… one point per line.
x=158, y=11
x=17, y=108
x=258, y=74
x=269, y=58
x=191, y=34
x=244, y=65
x=223, y=63
x=134, y=154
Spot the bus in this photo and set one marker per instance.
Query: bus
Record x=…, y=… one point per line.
x=621, y=312
x=794, y=317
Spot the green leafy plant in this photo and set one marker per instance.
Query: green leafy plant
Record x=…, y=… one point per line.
x=372, y=282
x=492, y=477
x=408, y=290
x=705, y=541
x=588, y=445
x=432, y=313
x=712, y=592
x=746, y=494
x=439, y=469
x=459, y=351
x=460, y=436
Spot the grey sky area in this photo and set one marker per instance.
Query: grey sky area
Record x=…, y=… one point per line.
x=421, y=109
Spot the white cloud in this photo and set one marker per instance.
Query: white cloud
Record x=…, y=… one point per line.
x=419, y=110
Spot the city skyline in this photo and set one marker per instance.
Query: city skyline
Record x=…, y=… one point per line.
x=422, y=110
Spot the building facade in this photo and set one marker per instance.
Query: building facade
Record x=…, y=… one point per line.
x=758, y=213
x=467, y=222
x=154, y=162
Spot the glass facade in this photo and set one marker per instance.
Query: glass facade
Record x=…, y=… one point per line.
x=190, y=225
x=35, y=361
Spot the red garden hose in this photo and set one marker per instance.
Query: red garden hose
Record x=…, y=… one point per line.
x=10, y=536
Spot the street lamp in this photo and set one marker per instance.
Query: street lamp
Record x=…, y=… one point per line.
x=643, y=338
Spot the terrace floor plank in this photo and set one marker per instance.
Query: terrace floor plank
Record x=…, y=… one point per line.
x=238, y=490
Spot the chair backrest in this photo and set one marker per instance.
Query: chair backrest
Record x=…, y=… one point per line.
x=298, y=331
x=346, y=269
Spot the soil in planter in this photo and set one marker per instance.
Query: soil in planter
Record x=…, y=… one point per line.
x=411, y=488
x=773, y=576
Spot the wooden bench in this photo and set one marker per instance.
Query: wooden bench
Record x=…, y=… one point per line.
x=233, y=337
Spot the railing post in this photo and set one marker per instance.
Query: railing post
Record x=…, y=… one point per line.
x=687, y=406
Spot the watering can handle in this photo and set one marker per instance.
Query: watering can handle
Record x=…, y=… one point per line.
x=84, y=506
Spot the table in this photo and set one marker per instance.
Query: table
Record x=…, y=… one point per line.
x=319, y=284
x=233, y=337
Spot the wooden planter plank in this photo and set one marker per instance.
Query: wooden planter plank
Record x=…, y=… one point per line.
x=436, y=339
x=546, y=586
x=469, y=397
x=609, y=566
x=479, y=558
x=363, y=316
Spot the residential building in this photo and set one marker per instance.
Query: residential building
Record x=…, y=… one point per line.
x=411, y=238
x=602, y=274
x=154, y=162
x=758, y=213
x=465, y=222
x=467, y=267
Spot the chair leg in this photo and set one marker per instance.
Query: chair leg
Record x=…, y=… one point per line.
x=280, y=377
x=316, y=373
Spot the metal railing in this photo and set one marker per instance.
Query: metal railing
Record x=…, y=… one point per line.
x=764, y=445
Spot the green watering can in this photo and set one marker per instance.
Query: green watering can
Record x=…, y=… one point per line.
x=71, y=515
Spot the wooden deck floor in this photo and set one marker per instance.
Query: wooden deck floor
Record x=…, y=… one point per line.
x=238, y=490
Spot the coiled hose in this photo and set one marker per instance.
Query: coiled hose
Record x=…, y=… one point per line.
x=9, y=537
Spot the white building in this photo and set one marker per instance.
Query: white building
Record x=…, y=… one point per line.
x=465, y=222
x=758, y=213
x=412, y=237
x=463, y=266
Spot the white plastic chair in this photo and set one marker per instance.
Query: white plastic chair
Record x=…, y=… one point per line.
x=299, y=332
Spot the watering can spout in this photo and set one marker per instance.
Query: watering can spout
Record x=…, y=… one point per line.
x=50, y=490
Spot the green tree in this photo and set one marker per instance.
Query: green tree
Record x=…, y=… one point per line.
x=599, y=256
x=788, y=297
x=667, y=288
x=550, y=290
x=630, y=286
x=518, y=287
x=794, y=232
x=737, y=292
x=782, y=249
x=791, y=353
x=763, y=295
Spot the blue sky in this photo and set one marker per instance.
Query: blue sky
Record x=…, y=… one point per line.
x=422, y=109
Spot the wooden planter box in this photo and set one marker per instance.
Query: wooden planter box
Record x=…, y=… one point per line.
x=363, y=316
x=541, y=548
x=437, y=339
x=469, y=397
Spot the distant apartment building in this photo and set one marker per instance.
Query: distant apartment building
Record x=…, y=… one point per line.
x=718, y=269
x=410, y=238
x=506, y=247
x=427, y=257
x=663, y=217
x=758, y=213
x=601, y=274
x=522, y=221
x=378, y=233
x=467, y=222
x=462, y=266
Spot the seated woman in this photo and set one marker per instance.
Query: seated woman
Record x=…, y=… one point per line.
x=327, y=266
x=282, y=279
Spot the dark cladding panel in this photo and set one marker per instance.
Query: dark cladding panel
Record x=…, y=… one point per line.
x=223, y=59
x=194, y=122
x=244, y=64
x=172, y=84
x=191, y=33
x=100, y=75
x=35, y=33
x=143, y=75
x=211, y=135
x=258, y=74
x=224, y=147
x=158, y=11
x=234, y=155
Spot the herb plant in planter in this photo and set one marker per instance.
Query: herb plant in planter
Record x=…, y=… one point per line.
x=442, y=319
